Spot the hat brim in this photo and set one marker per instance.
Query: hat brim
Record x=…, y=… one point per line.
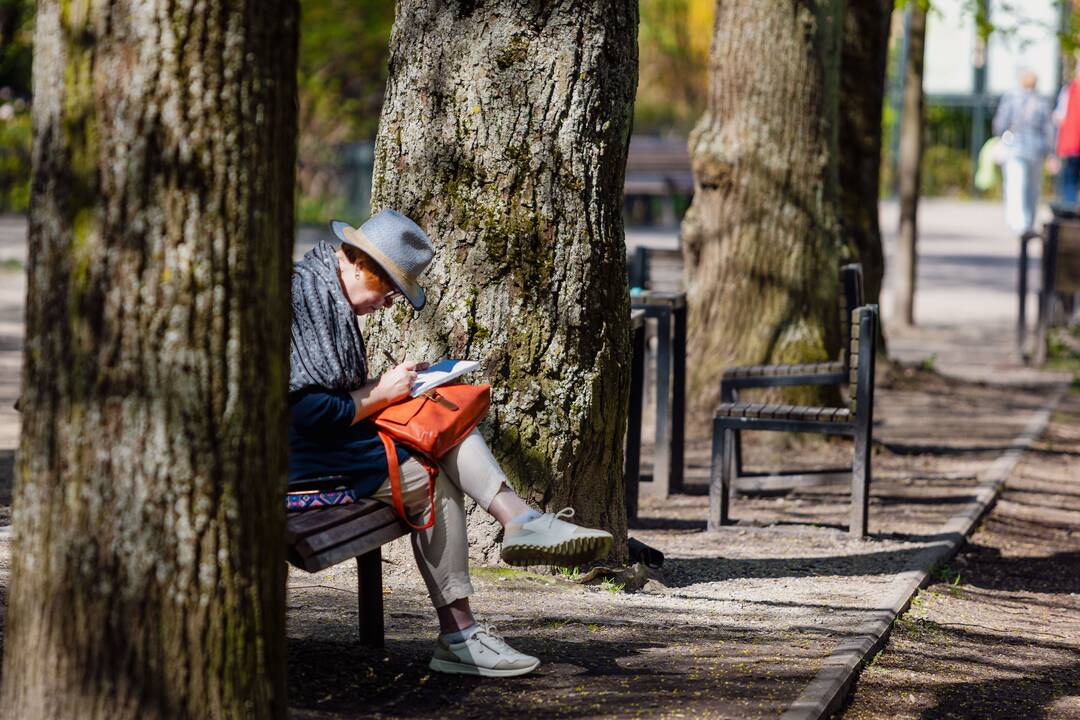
x=408, y=287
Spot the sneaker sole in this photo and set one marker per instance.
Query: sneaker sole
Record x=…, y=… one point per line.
x=456, y=668
x=569, y=553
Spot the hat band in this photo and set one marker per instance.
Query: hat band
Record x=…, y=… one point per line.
x=362, y=241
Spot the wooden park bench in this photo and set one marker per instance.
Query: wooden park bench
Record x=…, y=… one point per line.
x=822, y=373
x=316, y=539
x=855, y=421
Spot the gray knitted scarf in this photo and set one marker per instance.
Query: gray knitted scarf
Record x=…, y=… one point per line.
x=327, y=350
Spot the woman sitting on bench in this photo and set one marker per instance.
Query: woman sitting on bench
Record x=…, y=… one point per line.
x=330, y=397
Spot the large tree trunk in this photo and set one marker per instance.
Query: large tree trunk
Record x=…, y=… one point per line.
x=504, y=134
x=910, y=164
x=760, y=239
x=862, y=93
x=148, y=568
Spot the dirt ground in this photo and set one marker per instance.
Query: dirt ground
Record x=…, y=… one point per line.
x=736, y=624
x=998, y=634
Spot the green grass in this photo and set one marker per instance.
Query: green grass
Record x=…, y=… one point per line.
x=572, y=573
x=11, y=265
x=611, y=586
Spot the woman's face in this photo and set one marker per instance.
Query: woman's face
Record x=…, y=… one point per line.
x=366, y=288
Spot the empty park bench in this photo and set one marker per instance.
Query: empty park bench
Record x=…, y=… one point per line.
x=822, y=373
x=668, y=309
x=855, y=421
x=316, y=539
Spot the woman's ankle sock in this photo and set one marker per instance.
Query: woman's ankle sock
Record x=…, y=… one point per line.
x=525, y=517
x=461, y=635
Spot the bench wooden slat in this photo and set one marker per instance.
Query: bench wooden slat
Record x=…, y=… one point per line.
x=755, y=410
x=359, y=546
x=769, y=411
x=306, y=522
x=361, y=525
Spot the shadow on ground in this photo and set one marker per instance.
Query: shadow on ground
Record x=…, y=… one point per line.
x=577, y=679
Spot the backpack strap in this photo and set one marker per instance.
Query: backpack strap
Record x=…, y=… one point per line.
x=394, y=472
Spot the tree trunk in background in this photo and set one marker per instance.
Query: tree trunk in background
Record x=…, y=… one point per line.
x=504, y=134
x=148, y=567
x=862, y=93
x=760, y=239
x=910, y=164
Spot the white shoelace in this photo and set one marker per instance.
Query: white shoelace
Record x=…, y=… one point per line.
x=497, y=643
x=566, y=512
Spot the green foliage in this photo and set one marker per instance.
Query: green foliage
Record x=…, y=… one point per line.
x=946, y=171
x=16, y=35
x=15, y=137
x=673, y=43
x=344, y=48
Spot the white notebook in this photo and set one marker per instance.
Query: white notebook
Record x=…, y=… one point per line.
x=440, y=373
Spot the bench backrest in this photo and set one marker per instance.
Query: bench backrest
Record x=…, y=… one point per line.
x=862, y=352
x=849, y=298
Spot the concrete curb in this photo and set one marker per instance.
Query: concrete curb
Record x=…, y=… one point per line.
x=829, y=688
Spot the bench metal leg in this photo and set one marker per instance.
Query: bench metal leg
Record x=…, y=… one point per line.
x=1021, y=320
x=736, y=450
x=728, y=394
x=720, y=477
x=632, y=466
x=369, y=579
x=860, y=483
x=678, y=401
x=662, y=453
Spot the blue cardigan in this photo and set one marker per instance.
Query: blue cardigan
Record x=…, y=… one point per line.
x=324, y=443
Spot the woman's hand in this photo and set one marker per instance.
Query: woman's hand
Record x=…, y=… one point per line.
x=396, y=382
x=394, y=385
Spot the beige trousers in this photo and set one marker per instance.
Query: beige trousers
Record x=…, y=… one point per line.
x=442, y=551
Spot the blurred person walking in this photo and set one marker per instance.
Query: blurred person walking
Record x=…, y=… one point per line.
x=1024, y=121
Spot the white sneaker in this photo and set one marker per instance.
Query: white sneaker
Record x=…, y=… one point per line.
x=549, y=540
x=483, y=653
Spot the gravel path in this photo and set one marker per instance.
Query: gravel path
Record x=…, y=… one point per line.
x=998, y=634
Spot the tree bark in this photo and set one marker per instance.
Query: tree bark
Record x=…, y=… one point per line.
x=760, y=239
x=862, y=93
x=504, y=134
x=148, y=567
x=910, y=163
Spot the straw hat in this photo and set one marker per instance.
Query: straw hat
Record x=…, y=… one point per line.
x=397, y=244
